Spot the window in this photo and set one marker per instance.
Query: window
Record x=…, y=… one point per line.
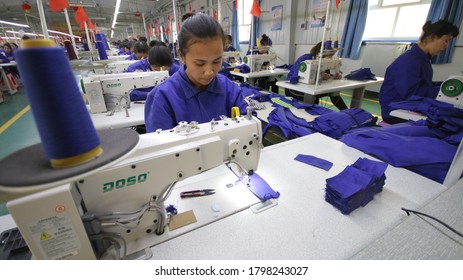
x=395, y=19
x=244, y=20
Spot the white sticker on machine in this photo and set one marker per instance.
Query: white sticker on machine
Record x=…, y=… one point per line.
x=56, y=237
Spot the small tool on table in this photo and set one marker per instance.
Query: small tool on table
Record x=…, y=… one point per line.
x=195, y=193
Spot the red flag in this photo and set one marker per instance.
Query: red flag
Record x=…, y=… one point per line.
x=90, y=24
x=149, y=30
x=255, y=10
x=215, y=15
x=81, y=15
x=337, y=3
x=58, y=5
x=191, y=9
x=82, y=25
x=236, y=5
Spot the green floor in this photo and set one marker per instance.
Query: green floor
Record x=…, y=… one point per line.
x=18, y=129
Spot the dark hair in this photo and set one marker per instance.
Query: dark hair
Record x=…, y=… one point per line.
x=439, y=28
x=157, y=43
x=141, y=47
x=198, y=28
x=160, y=56
x=187, y=15
x=143, y=39
x=230, y=37
x=8, y=45
x=265, y=40
x=316, y=49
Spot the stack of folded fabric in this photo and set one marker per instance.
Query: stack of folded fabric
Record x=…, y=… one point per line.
x=356, y=185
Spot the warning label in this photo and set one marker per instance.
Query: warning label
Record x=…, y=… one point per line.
x=56, y=236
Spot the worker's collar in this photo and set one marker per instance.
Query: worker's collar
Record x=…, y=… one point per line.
x=191, y=90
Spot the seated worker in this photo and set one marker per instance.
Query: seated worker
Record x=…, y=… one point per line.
x=159, y=59
x=195, y=92
x=140, y=50
x=293, y=78
x=228, y=47
x=125, y=48
x=264, y=46
x=411, y=73
x=7, y=53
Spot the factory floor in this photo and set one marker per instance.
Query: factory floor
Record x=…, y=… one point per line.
x=18, y=129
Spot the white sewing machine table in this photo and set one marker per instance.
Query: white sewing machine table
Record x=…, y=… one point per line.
x=330, y=86
x=303, y=225
x=259, y=74
x=119, y=118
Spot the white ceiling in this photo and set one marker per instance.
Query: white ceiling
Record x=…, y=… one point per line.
x=100, y=12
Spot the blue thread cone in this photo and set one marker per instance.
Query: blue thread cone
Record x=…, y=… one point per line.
x=101, y=51
x=62, y=118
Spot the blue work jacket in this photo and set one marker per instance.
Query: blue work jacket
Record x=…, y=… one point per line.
x=293, y=75
x=410, y=74
x=140, y=65
x=177, y=99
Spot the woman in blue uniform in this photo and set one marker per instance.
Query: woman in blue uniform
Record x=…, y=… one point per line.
x=293, y=78
x=195, y=92
x=140, y=50
x=411, y=73
x=158, y=58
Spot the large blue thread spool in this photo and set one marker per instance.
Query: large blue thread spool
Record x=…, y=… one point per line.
x=64, y=124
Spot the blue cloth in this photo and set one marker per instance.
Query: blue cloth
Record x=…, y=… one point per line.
x=356, y=185
x=260, y=188
x=140, y=65
x=4, y=58
x=140, y=94
x=243, y=68
x=132, y=57
x=336, y=124
x=176, y=100
x=427, y=156
x=410, y=74
x=361, y=74
x=293, y=75
x=175, y=66
x=290, y=125
x=315, y=161
x=443, y=120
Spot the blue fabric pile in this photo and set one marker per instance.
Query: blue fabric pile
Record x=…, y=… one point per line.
x=336, y=124
x=356, y=185
x=361, y=74
x=406, y=145
x=443, y=120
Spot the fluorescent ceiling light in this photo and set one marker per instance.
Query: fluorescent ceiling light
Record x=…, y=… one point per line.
x=82, y=4
x=31, y=34
x=15, y=24
x=116, y=12
x=62, y=33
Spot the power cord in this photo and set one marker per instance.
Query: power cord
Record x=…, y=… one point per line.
x=408, y=211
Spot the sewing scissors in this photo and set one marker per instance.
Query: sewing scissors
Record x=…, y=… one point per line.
x=195, y=193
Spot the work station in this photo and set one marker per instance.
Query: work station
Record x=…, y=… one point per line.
x=250, y=130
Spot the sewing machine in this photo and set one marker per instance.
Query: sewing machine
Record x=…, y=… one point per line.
x=258, y=62
x=110, y=92
x=231, y=57
x=119, y=210
x=308, y=69
x=451, y=91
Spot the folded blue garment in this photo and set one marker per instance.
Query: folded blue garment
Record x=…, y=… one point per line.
x=260, y=188
x=361, y=75
x=356, y=185
x=315, y=161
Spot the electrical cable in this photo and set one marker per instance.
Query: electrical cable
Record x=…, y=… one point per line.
x=408, y=211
